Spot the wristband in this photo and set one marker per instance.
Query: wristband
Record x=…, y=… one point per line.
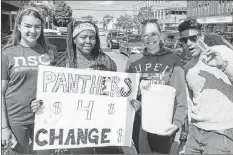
x=183, y=140
x=224, y=66
x=5, y=127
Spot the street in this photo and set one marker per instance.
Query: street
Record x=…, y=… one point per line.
x=121, y=60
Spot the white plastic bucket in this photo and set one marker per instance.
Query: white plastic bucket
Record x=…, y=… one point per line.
x=157, y=108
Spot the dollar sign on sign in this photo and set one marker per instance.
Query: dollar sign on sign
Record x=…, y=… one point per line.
x=120, y=135
x=57, y=108
x=111, y=109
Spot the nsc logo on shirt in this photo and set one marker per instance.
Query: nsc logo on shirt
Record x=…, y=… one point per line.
x=30, y=62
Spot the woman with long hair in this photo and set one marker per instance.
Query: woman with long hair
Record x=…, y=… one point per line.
x=84, y=52
x=21, y=57
x=159, y=66
x=83, y=48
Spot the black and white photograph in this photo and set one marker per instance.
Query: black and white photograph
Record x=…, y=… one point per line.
x=116, y=77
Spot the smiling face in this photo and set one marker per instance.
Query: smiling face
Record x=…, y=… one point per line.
x=30, y=30
x=151, y=36
x=189, y=38
x=85, y=41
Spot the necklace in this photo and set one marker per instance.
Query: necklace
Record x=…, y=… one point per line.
x=80, y=61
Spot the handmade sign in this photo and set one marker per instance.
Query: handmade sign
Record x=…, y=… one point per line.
x=157, y=108
x=84, y=108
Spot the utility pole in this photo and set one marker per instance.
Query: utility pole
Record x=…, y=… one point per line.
x=148, y=16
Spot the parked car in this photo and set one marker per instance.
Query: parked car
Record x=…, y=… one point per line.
x=113, y=38
x=169, y=38
x=5, y=36
x=101, y=32
x=59, y=41
x=228, y=36
x=131, y=44
x=51, y=32
x=210, y=39
x=4, y=41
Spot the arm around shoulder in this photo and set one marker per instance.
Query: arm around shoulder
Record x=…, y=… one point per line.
x=178, y=82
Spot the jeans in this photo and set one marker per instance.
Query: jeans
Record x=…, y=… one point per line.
x=23, y=134
x=208, y=142
x=136, y=130
x=99, y=150
x=160, y=144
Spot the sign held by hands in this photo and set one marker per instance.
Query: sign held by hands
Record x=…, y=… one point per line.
x=84, y=108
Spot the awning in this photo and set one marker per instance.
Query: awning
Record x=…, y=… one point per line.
x=10, y=5
x=215, y=19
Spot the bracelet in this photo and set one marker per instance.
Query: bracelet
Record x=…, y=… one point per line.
x=5, y=127
x=224, y=66
x=183, y=140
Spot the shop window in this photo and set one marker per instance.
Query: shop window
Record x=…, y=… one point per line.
x=219, y=7
x=228, y=6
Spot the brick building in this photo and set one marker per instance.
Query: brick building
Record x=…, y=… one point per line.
x=169, y=13
x=214, y=15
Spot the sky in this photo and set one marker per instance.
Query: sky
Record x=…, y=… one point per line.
x=100, y=5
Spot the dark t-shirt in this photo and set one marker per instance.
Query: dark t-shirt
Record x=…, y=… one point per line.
x=102, y=62
x=162, y=68
x=19, y=67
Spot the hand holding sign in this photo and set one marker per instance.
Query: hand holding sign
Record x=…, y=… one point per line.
x=35, y=105
x=136, y=104
x=84, y=108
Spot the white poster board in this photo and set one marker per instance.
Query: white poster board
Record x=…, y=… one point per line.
x=84, y=108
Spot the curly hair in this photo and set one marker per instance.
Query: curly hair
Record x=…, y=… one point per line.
x=189, y=24
x=71, y=46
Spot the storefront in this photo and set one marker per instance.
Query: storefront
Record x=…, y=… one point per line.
x=8, y=13
x=222, y=23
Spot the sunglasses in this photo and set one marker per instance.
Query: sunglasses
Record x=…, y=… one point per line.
x=193, y=38
x=149, y=21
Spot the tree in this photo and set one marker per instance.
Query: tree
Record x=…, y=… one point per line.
x=145, y=13
x=44, y=9
x=125, y=22
x=62, y=14
x=136, y=23
x=88, y=18
x=24, y=2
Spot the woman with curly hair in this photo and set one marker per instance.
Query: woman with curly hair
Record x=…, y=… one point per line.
x=84, y=52
x=83, y=48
